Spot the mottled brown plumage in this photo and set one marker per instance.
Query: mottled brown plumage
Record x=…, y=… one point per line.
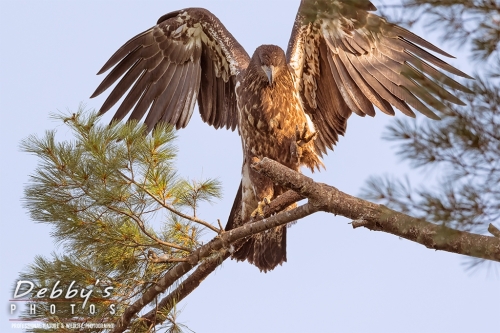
x=290, y=107
x=269, y=109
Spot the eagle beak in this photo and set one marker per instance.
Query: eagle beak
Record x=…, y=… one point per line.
x=270, y=73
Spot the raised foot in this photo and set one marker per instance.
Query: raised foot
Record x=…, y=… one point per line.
x=301, y=139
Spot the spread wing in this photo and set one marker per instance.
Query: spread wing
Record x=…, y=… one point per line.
x=349, y=60
x=189, y=55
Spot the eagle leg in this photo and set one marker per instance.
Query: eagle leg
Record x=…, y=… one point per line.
x=304, y=137
x=301, y=139
x=258, y=190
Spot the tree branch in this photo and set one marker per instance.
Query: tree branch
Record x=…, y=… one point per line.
x=321, y=197
x=152, y=318
x=206, y=250
x=141, y=225
x=170, y=207
x=494, y=230
x=380, y=218
x=162, y=259
x=208, y=266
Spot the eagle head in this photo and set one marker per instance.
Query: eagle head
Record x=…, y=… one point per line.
x=269, y=61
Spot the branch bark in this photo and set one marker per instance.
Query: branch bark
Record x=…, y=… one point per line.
x=206, y=250
x=208, y=266
x=494, y=230
x=152, y=318
x=380, y=218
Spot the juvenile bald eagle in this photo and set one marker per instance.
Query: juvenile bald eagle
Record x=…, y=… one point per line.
x=341, y=59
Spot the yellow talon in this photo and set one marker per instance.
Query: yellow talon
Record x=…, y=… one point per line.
x=259, y=211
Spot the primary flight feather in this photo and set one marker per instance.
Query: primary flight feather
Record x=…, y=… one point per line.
x=341, y=59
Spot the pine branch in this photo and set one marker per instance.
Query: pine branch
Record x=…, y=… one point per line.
x=84, y=199
x=208, y=266
x=171, y=208
x=462, y=151
x=207, y=250
x=141, y=225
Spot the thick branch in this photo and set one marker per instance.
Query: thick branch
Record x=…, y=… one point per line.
x=282, y=202
x=380, y=218
x=206, y=250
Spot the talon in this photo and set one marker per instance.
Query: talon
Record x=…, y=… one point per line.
x=310, y=137
x=295, y=150
x=259, y=211
x=303, y=137
x=304, y=131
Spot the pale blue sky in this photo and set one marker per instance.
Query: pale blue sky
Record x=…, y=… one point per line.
x=337, y=279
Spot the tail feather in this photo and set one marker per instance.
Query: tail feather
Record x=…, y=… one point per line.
x=265, y=250
x=269, y=249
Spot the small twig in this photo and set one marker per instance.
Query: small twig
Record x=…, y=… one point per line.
x=359, y=223
x=153, y=257
x=494, y=230
x=171, y=208
x=164, y=260
x=221, y=228
x=140, y=223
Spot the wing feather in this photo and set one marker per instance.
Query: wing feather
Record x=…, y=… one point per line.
x=153, y=84
x=344, y=91
x=405, y=47
x=162, y=102
x=364, y=105
x=206, y=96
x=175, y=90
x=329, y=112
x=140, y=41
x=354, y=46
x=378, y=73
x=394, y=73
x=394, y=31
x=117, y=72
x=188, y=56
x=135, y=74
x=185, y=81
x=404, y=70
x=191, y=99
x=366, y=89
x=377, y=86
x=363, y=61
